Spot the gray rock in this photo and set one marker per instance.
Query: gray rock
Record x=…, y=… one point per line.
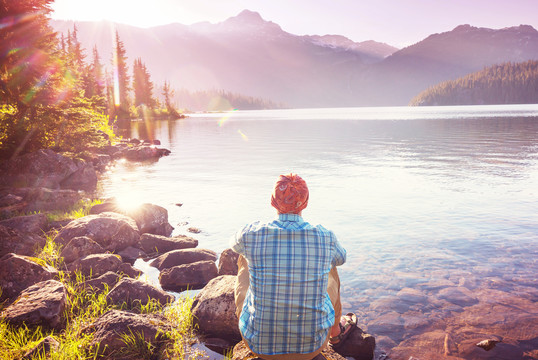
x=134, y=291
x=95, y=265
x=142, y=153
x=13, y=241
x=80, y=247
x=45, y=199
x=18, y=272
x=85, y=178
x=113, y=231
x=242, y=352
x=181, y=257
x=228, y=262
x=214, y=309
x=41, y=304
x=109, y=328
x=189, y=276
x=151, y=243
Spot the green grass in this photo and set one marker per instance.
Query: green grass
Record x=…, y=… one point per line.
x=83, y=307
x=80, y=209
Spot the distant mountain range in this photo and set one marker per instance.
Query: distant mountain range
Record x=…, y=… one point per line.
x=247, y=55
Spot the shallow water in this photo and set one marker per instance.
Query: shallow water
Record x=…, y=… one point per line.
x=436, y=206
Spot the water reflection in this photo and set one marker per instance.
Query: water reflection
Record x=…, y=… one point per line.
x=437, y=208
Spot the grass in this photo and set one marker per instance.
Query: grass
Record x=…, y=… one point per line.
x=80, y=209
x=83, y=307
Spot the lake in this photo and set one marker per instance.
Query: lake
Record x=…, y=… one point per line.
x=436, y=206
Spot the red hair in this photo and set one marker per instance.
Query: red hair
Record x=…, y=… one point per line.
x=290, y=194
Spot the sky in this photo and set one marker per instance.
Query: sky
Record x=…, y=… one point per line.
x=396, y=22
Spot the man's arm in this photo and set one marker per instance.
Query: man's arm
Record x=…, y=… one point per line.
x=339, y=254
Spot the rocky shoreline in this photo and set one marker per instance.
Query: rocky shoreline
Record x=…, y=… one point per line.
x=99, y=250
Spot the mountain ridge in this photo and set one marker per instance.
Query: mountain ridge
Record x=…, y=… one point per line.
x=248, y=55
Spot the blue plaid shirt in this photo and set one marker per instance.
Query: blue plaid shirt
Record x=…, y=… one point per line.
x=287, y=308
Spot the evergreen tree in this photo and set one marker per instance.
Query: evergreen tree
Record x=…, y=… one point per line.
x=121, y=79
x=168, y=94
x=95, y=80
x=142, y=85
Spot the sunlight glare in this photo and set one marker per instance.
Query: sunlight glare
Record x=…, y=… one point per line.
x=226, y=117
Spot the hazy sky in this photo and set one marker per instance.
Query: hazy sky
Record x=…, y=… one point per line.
x=396, y=22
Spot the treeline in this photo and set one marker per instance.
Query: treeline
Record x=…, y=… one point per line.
x=508, y=83
x=220, y=100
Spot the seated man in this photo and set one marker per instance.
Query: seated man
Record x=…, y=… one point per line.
x=288, y=291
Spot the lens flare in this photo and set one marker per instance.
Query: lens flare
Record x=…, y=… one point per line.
x=226, y=117
x=242, y=135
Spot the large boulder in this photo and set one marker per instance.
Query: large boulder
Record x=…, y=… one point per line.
x=151, y=243
x=79, y=247
x=113, y=231
x=188, y=276
x=214, y=309
x=18, y=272
x=228, y=262
x=40, y=304
x=111, y=326
x=131, y=291
x=95, y=265
x=45, y=168
x=181, y=257
x=131, y=254
x=152, y=219
x=14, y=241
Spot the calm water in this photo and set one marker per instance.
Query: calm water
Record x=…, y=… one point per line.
x=436, y=195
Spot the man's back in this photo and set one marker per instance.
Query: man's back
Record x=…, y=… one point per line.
x=287, y=309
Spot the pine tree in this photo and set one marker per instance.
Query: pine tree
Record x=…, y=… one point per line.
x=121, y=79
x=142, y=85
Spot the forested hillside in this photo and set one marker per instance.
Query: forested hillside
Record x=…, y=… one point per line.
x=508, y=83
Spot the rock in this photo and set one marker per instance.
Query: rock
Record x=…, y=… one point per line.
x=152, y=219
x=358, y=345
x=161, y=244
x=85, y=178
x=487, y=344
x=214, y=309
x=108, y=279
x=188, y=276
x=95, y=265
x=149, y=218
x=142, y=153
x=194, y=230
x=389, y=324
x=41, y=304
x=412, y=296
x=181, y=257
x=228, y=262
x=42, y=349
x=428, y=345
x=43, y=199
x=43, y=168
x=242, y=352
x=502, y=351
x=128, y=270
x=109, y=328
x=80, y=247
x=458, y=295
x=113, y=231
x=13, y=241
x=18, y=272
x=131, y=254
x=34, y=224
x=134, y=291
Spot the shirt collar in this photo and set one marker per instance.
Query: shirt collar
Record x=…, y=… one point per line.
x=290, y=217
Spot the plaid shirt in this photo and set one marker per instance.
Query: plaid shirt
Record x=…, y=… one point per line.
x=287, y=308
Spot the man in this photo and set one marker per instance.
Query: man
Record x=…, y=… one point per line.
x=288, y=290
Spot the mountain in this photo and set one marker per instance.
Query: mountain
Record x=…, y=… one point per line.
x=247, y=55
x=508, y=83
x=446, y=56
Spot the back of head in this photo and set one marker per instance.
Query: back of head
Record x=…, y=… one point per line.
x=290, y=195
